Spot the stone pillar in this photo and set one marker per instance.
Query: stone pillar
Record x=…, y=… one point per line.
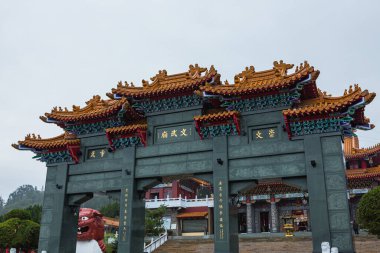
x=249, y=218
x=274, y=215
x=132, y=207
x=326, y=182
x=59, y=220
x=225, y=215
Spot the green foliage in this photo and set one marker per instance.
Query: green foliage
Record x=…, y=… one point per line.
x=7, y=233
x=2, y=203
x=112, y=247
x=111, y=210
x=19, y=233
x=35, y=213
x=17, y=213
x=154, y=225
x=368, y=212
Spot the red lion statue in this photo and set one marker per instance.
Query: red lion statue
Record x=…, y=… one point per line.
x=91, y=227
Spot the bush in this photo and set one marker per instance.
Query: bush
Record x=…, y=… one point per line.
x=19, y=233
x=111, y=210
x=17, y=213
x=35, y=213
x=154, y=225
x=368, y=212
x=7, y=233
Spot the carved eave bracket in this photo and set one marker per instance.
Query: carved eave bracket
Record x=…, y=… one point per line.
x=217, y=124
x=63, y=148
x=125, y=136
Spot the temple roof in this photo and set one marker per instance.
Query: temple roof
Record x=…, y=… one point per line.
x=127, y=129
x=273, y=188
x=95, y=108
x=192, y=215
x=363, y=152
x=220, y=116
x=327, y=104
x=36, y=142
x=163, y=84
x=249, y=81
x=363, y=173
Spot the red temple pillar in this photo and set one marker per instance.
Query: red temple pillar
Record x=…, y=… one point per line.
x=161, y=193
x=363, y=164
x=175, y=189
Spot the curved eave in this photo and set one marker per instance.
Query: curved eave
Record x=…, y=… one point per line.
x=363, y=154
x=84, y=117
x=331, y=105
x=127, y=129
x=22, y=148
x=217, y=116
x=165, y=90
x=89, y=112
x=259, y=87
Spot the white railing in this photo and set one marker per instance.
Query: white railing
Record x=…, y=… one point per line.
x=156, y=243
x=179, y=202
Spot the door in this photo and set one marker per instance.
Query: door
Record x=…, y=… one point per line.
x=264, y=221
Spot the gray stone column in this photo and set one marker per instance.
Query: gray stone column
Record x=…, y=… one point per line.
x=326, y=182
x=132, y=208
x=274, y=216
x=59, y=221
x=249, y=218
x=225, y=215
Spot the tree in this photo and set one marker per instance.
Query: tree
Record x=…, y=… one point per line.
x=111, y=210
x=154, y=224
x=35, y=213
x=19, y=234
x=7, y=233
x=17, y=213
x=22, y=197
x=2, y=203
x=368, y=212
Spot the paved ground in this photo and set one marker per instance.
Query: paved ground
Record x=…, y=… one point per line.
x=367, y=244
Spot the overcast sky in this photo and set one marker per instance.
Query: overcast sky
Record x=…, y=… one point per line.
x=64, y=52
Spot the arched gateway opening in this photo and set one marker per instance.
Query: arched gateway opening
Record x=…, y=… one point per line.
x=270, y=145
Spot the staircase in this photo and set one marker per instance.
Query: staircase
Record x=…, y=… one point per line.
x=368, y=244
x=187, y=246
x=251, y=245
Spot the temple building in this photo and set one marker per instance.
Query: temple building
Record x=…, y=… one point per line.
x=171, y=121
x=363, y=170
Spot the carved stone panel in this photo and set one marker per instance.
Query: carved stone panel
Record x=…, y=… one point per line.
x=336, y=182
x=339, y=220
x=337, y=200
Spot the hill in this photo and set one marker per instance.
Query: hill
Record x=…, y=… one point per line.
x=23, y=197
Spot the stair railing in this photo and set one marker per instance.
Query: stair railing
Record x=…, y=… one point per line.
x=156, y=243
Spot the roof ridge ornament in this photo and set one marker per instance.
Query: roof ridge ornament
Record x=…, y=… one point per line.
x=33, y=137
x=282, y=68
x=246, y=74
x=195, y=71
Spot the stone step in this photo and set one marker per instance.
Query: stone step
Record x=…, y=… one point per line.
x=260, y=245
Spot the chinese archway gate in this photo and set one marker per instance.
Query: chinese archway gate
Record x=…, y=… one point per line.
x=268, y=124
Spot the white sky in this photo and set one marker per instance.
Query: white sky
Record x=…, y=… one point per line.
x=64, y=52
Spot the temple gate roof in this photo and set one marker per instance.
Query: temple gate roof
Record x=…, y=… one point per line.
x=272, y=188
x=95, y=108
x=358, y=153
x=163, y=84
x=251, y=82
x=36, y=142
x=325, y=104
